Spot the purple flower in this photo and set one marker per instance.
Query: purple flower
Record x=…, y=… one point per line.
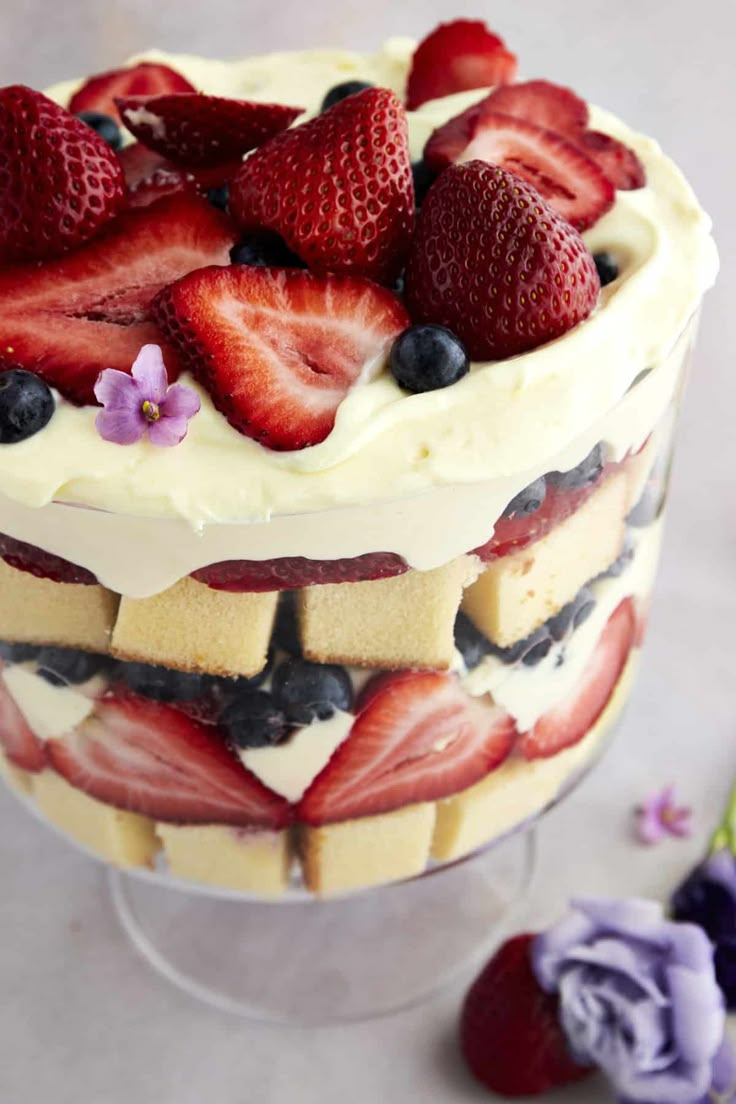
x=638, y=998
x=661, y=816
x=143, y=403
x=708, y=898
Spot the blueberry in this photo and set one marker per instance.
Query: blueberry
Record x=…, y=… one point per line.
x=342, y=91
x=223, y=689
x=311, y=691
x=584, y=475
x=105, y=126
x=265, y=250
x=470, y=642
x=219, y=197
x=26, y=405
x=163, y=684
x=286, y=629
x=527, y=501
x=621, y=562
x=18, y=653
x=537, y=652
x=425, y=358
x=607, y=267
x=252, y=719
x=67, y=666
x=535, y=647
x=424, y=178
x=572, y=615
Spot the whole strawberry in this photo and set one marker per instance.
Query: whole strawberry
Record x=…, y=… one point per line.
x=60, y=183
x=338, y=189
x=494, y=263
x=510, y=1033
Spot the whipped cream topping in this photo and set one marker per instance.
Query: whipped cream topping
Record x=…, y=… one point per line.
x=394, y=462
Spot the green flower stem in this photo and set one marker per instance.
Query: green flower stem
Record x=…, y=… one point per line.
x=725, y=835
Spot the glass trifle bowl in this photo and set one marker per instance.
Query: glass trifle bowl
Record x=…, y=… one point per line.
x=306, y=702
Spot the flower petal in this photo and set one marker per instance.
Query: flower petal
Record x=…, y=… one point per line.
x=649, y=827
x=180, y=401
x=149, y=372
x=117, y=389
x=698, y=1014
x=120, y=426
x=167, y=432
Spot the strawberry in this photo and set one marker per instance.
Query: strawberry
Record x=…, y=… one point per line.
x=338, y=189
x=562, y=174
x=73, y=317
x=549, y=105
x=496, y=265
x=60, y=183
x=293, y=572
x=44, y=565
x=21, y=746
x=98, y=93
x=418, y=737
x=193, y=129
x=619, y=162
x=151, y=758
x=149, y=176
x=162, y=182
x=278, y=349
x=457, y=57
x=510, y=1033
x=567, y=723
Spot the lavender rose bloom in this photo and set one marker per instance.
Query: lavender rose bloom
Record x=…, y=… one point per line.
x=638, y=998
x=708, y=898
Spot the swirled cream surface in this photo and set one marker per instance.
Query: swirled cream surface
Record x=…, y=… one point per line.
x=395, y=465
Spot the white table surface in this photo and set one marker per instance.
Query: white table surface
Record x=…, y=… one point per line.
x=82, y=1019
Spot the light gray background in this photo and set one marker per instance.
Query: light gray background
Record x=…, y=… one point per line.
x=82, y=1019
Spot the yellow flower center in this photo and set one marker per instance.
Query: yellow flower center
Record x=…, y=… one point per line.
x=151, y=411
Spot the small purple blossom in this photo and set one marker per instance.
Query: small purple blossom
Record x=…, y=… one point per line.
x=661, y=816
x=143, y=403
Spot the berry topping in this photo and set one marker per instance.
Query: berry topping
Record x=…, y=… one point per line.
x=567, y=723
x=252, y=719
x=457, y=57
x=311, y=691
x=278, y=349
x=163, y=684
x=151, y=758
x=606, y=267
x=293, y=572
x=60, y=182
x=74, y=317
x=497, y=265
x=572, y=615
x=620, y=164
x=18, y=653
x=44, y=565
x=266, y=250
x=67, y=666
x=20, y=744
x=510, y=1032
x=425, y=358
x=539, y=101
x=529, y=651
x=418, y=737
x=162, y=182
x=99, y=93
x=338, y=189
x=588, y=471
x=26, y=405
x=528, y=500
x=103, y=125
x=423, y=178
x=341, y=92
x=192, y=129
x=561, y=173
x=470, y=642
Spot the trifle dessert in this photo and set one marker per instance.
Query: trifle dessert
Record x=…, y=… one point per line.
x=336, y=406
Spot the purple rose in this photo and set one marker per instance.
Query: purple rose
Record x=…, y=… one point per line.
x=638, y=998
x=708, y=898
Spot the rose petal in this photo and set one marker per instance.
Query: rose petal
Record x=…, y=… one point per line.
x=551, y=947
x=120, y=426
x=149, y=372
x=680, y=1084
x=698, y=1014
x=724, y=1070
x=633, y=963
x=167, y=432
x=180, y=401
x=117, y=389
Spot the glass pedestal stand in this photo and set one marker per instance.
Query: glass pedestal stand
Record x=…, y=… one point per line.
x=306, y=962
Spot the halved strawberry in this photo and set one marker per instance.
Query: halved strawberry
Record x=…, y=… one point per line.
x=338, y=189
x=149, y=176
x=73, y=317
x=419, y=737
x=294, y=572
x=44, y=565
x=22, y=747
x=456, y=57
x=151, y=758
x=60, y=183
x=194, y=129
x=540, y=101
x=557, y=168
x=278, y=349
x=569, y=721
x=619, y=162
x=162, y=182
x=147, y=78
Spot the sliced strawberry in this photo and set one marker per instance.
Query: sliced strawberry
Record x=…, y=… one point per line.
x=419, y=737
x=149, y=176
x=73, y=317
x=193, y=129
x=98, y=93
x=338, y=189
x=560, y=172
x=539, y=101
x=457, y=57
x=278, y=349
x=293, y=572
x=569, y=721
x=44, y=565
x=619, y=162
x=496, y=264
x=162, y=182
x=139, y=164
x=60, y=183
x=510, y=1032
x=151, y=758
x=22, y=747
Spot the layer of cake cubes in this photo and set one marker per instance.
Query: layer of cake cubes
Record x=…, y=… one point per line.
x=331, y=734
